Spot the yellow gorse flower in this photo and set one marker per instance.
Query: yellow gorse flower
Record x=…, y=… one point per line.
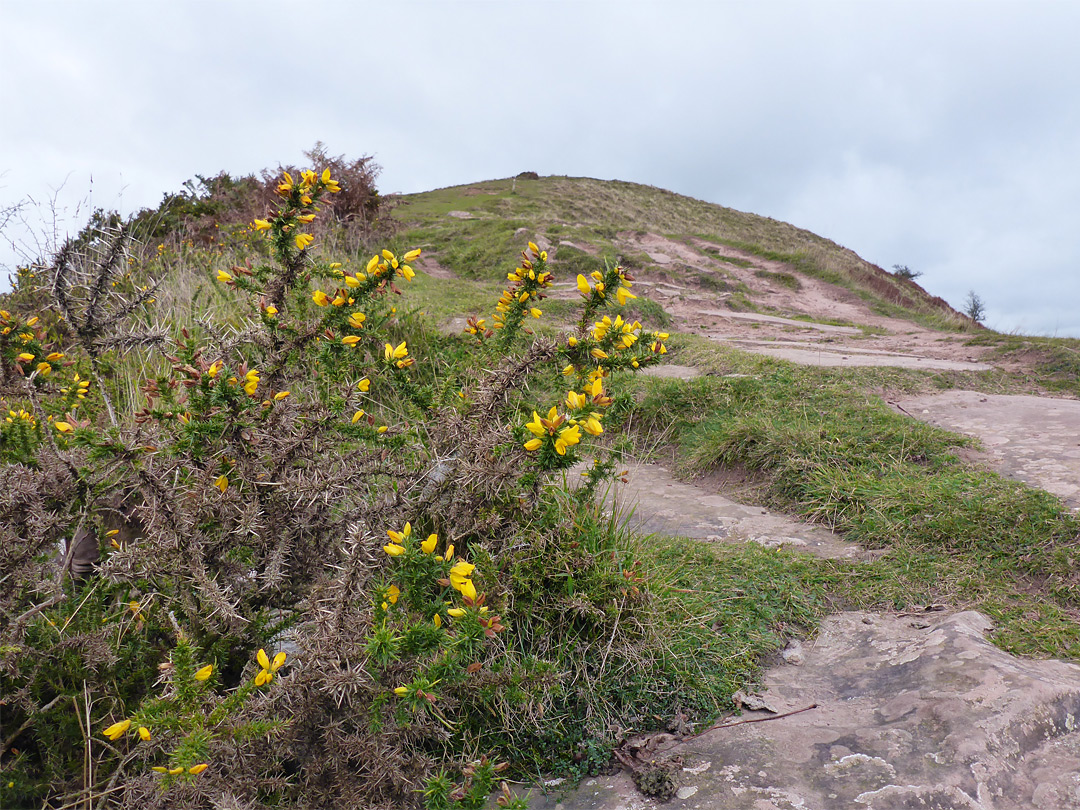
x=268, y=667
x=566, y=438
x=117, y=730
x=251, y=382
x=262, y=225
x=303, y=240
x=204, y=673
x=428, y=546
x=320, y=298
x=195, y=770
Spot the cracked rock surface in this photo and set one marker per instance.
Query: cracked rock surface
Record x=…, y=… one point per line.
x=911, y=711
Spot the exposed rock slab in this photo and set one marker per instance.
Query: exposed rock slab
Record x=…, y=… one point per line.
x=655, y=501
x=1033, y=439
x=818, y=354
x=910, y=713
x=776, y=319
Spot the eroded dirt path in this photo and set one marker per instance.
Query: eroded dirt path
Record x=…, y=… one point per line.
x=707, y=287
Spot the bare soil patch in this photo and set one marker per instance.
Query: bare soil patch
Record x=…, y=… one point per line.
x=706, y=287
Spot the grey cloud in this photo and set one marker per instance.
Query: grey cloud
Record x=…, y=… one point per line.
x=940, y=135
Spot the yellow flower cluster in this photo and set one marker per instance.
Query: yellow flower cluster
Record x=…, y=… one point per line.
x=20, y=415
x=398, y=541
x=194, y=770
x=298, y=208
x=461, y=580
x=600, y=282
x=9, y=323
x=609, y=339
x=551, y=429
x=379, y=272
x=250, y=380
x=527, y=285
x=477, y=326
x=624, y=332
x=580, y=416
x=460, y=577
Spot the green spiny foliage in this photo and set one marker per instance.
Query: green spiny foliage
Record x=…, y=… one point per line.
x=245, y=505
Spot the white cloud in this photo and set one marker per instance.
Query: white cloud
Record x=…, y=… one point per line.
x=940, y=135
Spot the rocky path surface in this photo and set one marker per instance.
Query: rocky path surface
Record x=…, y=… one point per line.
x=1033, y=439
x=654, y=501
x=877, y=712
x=880, y=713
x=706, y=287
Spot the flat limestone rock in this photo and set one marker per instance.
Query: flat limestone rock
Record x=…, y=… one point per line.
x=911, y=711
x=654, y=500
x=1033, y=439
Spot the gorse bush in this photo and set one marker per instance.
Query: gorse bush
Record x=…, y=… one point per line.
x=320, y=562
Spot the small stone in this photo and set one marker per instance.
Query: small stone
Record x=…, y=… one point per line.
x=794, y=653
x=686, y=792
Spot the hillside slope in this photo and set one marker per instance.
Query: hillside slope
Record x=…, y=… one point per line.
x=737, y=278
x=611, y=219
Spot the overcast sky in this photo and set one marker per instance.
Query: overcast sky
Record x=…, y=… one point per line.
x=941, y=135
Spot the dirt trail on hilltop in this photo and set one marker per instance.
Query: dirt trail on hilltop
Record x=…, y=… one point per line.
x=799, y=318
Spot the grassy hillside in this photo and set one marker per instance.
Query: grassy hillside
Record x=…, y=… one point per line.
x=593, y=213
x=234, y=414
